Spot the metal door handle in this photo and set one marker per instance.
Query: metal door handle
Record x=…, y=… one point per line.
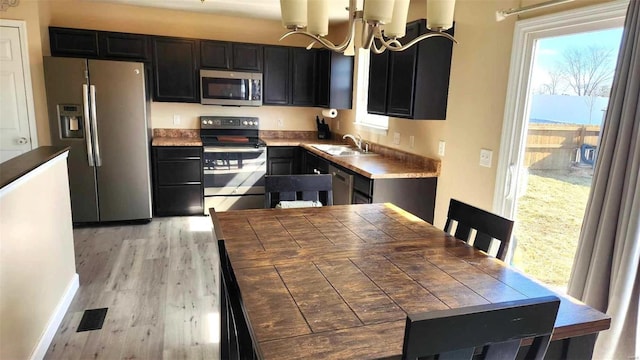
x=94, y=121
x=87, y=126
x=23, y=140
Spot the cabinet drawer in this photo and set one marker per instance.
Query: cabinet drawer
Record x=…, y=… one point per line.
x=169, y=153
x=179, y=200
x=179, y=172
x=362, y=184
x=282, y=151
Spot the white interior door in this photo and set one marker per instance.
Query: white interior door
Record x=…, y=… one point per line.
x=17, y=128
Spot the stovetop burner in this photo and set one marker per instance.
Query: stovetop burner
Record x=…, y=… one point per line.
x=230, y=131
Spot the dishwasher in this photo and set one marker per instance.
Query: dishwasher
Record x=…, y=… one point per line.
x=342, y=186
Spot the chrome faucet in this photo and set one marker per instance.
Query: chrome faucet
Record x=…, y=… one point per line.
x=356, y=139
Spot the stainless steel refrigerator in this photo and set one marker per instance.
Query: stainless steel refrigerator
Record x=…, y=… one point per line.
x=99, y=109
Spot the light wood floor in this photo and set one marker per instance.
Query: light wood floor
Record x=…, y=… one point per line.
x=160, y=283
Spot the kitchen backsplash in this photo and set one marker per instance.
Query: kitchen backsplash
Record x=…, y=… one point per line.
x=186, y=116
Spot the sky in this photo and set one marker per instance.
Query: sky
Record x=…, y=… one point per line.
x=550, y=49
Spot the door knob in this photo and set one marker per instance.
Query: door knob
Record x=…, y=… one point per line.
x=23, y=140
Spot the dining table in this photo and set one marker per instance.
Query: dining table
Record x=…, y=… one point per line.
x=337, y=282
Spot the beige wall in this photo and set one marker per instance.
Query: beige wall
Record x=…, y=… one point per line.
x=477, y=91
x=37, y=262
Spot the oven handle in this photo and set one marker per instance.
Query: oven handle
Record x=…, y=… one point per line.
x=233, y=150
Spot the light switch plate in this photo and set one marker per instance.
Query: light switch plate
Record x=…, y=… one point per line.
x=396, y=138
x=280, y=123
x=412, y=141
x=485, y=157
x=176, y=119
x=441, y=145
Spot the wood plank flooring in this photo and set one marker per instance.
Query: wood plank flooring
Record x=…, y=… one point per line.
x=160, y=283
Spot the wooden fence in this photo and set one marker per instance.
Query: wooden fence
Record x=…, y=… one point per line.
x=557, y=146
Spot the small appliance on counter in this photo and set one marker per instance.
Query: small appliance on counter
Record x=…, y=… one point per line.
x=323, y=129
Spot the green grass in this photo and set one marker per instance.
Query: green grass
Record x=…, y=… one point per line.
x=548, y=224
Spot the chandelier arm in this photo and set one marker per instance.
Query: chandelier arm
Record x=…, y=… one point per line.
x=420, y=38
x=324, y=42
x=374, y=47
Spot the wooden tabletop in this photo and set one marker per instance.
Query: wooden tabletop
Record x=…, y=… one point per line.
x=338, y=282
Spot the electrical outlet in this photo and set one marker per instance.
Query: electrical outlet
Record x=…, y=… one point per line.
x=176, y=119
x=441, y=148
x=280, y=123
x=412, y=141
x=485, y=157
x=337, y=124
x=396, y=138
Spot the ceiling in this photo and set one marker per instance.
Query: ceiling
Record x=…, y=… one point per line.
x=263, y=9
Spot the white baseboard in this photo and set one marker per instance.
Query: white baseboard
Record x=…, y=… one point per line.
x=56, y=318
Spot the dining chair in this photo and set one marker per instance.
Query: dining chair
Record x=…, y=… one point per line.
x=308, y=187
x=493, y=331
x=488, y=226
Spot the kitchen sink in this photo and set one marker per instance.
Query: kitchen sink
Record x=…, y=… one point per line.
x=341, y=150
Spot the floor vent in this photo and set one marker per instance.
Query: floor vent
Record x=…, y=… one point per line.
x=92, y=319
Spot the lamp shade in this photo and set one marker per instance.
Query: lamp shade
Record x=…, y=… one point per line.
x=294, y=13
x=318, y=16
x=379, y=11
x=397, y=27
x=440, y=14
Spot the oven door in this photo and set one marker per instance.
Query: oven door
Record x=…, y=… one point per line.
x=234, y=177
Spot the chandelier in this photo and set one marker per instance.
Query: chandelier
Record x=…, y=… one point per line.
x=384, y=23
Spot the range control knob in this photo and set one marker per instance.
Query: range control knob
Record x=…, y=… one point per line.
x=245, y=123
x=255, y=123
x=210, y=122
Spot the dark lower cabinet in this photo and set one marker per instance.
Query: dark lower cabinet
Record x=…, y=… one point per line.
x=178, y=184
x=175, y=69
x=283, y=160
x=236, y=339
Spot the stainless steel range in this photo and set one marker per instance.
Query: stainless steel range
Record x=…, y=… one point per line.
x=235, y=162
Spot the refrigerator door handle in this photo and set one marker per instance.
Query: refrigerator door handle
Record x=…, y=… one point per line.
x=94, y=125
x=87, y=132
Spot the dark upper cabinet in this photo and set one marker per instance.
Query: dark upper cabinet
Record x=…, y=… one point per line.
x=73, y=42
x=276, y=76
x=175, y=69
x=303, y=72
x=99, y=44
x=416, y=85
x=378, y=76
x=230, y=56
x=247, y=57
x=334, y=81
x=121, y=46
x=215, y=54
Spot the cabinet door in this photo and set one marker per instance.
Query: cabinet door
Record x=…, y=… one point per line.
x=122, y=46
x=215, y=54
x=175, y=70
x=323, y=78
x=378, y=73
x=303, y=71
x=73, y=42
x=402, y=68
x=340, y=81
x=276, y=75
x=282, y=160
x=247, y=57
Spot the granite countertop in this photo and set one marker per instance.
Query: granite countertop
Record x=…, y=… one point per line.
x=388, y=164
x=176, y=137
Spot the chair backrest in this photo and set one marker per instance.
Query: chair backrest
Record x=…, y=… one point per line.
x=309, y=187
x=488, y=226
x=494, y=329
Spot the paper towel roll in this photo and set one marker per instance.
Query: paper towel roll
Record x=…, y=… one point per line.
x=330, y=113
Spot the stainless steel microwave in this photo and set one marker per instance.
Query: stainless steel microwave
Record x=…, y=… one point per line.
x=230, y=88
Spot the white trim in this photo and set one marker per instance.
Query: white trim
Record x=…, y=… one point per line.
x=526, y=32
x=28, y=87
x=56, y=319
x=38, y=170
